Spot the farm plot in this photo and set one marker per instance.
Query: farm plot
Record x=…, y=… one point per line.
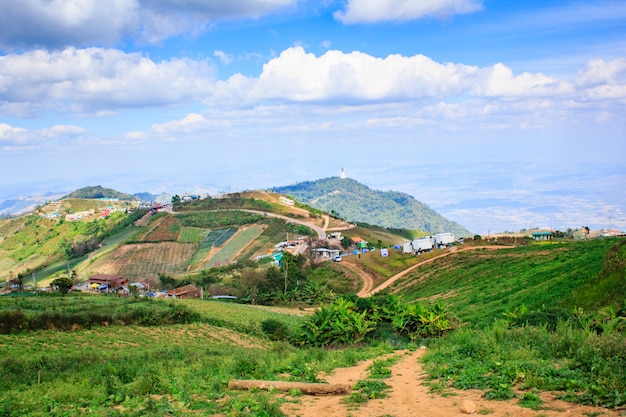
x=167, y=230
x=218, y=237
x=236, y=245
x=143, y=260
x=214, y=239
x=193, y=235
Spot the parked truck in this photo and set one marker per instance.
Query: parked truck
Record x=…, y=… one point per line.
x=444, y=239
x=407, y=247
x=424, y=244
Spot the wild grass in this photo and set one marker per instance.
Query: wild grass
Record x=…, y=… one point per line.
x=582, y=365
x=179, y=369
x=23, y=314
x=479, y=286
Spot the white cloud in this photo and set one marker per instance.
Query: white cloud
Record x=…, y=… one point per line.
x=59, y=23
x=371, y=11
x=56, y=23
x=95, y=79
x=598, y=72
x=191, y=123
x=224, y=57
x=10, y=134
x=358, y=78
x=18, y=139
x=102, y=81
x=500, y=81
x=349, y=77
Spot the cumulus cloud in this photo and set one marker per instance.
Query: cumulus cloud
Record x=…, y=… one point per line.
x=18, y=139
x=96, y=79
x=356, y=77
x=372, y=11
x=499, y=80
x=59, y=23
x=598, y=72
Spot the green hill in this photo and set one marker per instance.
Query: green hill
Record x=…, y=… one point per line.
x=480, y=285
x=99, y=192
x=356, y=202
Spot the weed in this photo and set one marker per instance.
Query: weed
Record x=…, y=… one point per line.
x=531, y=400
x=365, y=390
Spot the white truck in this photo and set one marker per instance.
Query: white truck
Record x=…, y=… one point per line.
x=444, y=239
x=422, y=245
x=407, y=247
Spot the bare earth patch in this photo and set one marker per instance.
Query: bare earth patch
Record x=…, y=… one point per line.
x=409, y=397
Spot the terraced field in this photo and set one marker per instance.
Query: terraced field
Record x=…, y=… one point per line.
x=235, y=246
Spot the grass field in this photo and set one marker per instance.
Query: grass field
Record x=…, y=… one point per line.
x=193, y=235
x=235, y=245
x=179, y=369
x=392, y=264
x=479, y=286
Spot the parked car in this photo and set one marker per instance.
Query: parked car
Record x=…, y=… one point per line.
x=337, y=258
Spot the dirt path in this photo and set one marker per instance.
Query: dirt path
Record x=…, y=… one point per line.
x=409, y=397
x=368, y=281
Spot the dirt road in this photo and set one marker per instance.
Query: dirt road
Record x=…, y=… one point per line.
x=368, y=281
x=409, y=397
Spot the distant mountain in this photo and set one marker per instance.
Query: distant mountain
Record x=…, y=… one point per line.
x=356, y=202
x=22, y=205
x=145, y=196
x=162, y=198
x=99, y=192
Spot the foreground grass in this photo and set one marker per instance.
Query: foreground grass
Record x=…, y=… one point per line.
x=579, y=365
x=177, y=369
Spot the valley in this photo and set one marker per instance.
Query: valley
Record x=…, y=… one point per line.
x=512, y=326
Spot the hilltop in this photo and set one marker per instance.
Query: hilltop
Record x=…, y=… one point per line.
x=355, y=202
x=99, y=192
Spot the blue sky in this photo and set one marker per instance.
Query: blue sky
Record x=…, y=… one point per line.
x=500, y=115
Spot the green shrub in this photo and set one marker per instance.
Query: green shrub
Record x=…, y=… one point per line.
x=276, y=330
x=549, y=318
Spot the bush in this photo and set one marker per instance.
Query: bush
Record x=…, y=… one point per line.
x=276, y=330
x=549, y=318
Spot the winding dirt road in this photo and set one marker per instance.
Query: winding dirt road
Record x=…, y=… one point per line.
x=410, y=397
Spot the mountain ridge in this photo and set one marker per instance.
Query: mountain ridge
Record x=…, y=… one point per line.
x=356, y=202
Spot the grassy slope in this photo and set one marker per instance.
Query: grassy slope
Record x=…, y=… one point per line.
x=179, y=369
x=481, y=285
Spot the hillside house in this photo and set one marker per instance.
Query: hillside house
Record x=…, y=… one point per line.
x=542, y=235
x=323, y=253
x=359, y=242
x=107, y=283
x=335, y=235
x=186, y=291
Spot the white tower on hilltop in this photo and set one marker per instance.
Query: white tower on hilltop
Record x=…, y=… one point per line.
x=343, y=174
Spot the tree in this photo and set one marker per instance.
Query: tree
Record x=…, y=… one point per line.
x=62, y=284
x=251, y=280
x=291, y=268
